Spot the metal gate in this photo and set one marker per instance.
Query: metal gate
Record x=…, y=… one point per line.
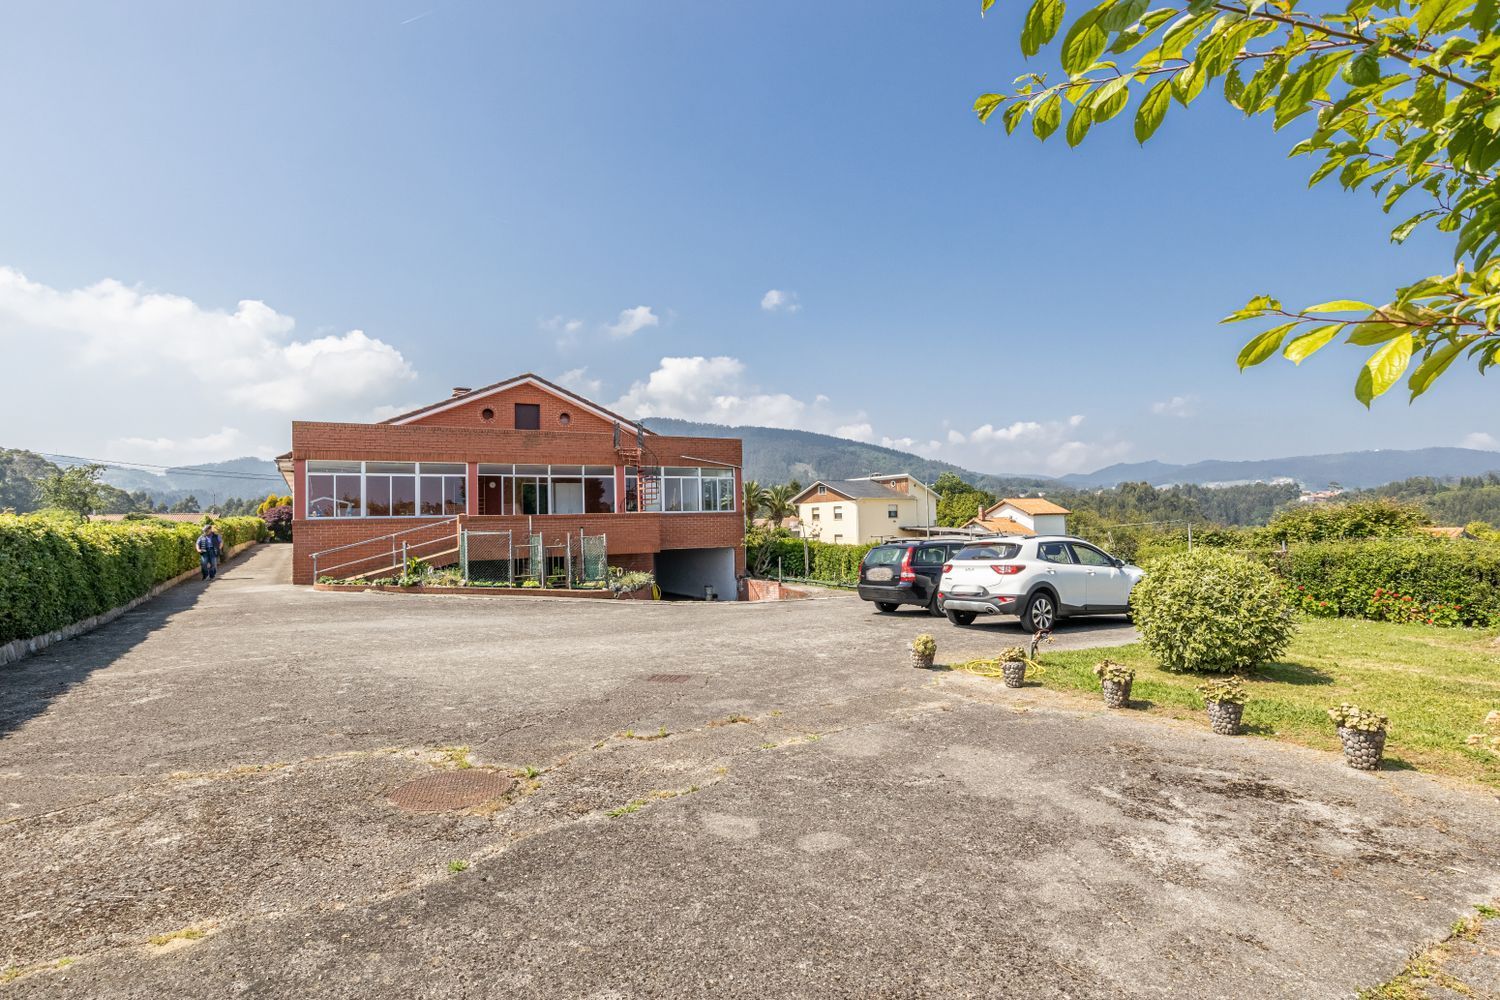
x=595, y=565
x=487, y=556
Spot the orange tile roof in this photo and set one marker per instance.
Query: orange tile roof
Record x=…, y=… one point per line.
x=1001, y=526
x=1034, y=505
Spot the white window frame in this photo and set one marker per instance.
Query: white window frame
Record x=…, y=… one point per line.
x=364, y=489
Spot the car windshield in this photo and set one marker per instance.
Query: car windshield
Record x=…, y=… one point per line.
x=1003, y=551
x=885, y=555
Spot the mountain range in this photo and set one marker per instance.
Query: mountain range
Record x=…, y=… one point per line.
x=775, y=455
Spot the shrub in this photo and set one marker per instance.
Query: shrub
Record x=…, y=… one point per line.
x=1226, y=690
x=1432, y=572
x=1347, y=716
x=1380, y=518
x=278, y=522
x=56, y=571
x=924, y=645
x=1212, y=612
x=825, y=562
x=1115, y=673
x=621, y=582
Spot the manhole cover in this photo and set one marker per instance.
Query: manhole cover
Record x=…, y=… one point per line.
x=669, y=678
x=450, y=790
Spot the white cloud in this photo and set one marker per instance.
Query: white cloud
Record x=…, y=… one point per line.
x=777, y=300
x=924, y=448
x=1482, y=440
x=246, y=357
x=632, y=321
x=709, y=389
x=1177, y=406
x=854, y=432
x=578, y=380
x=184, y=382
x=563, y=328
x=1047, y=446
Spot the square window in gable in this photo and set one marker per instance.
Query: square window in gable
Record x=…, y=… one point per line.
x=528, y=416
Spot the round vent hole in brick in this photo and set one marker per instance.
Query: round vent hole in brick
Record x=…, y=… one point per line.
x=450, y=790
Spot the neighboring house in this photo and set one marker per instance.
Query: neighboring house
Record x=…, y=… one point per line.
x=1023, y=516
x=528, y=457
x=865, y=510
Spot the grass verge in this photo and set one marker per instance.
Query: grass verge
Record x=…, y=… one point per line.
x=1437, y=686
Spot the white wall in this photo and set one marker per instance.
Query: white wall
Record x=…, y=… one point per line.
x=685, y=572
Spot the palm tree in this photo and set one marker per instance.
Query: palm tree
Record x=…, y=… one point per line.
x=755, y=499
x=778, y=503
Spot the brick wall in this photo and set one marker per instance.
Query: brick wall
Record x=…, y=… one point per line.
x=437, y=441
x=470, y=413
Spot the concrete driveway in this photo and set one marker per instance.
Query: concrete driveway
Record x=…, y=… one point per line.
x=213, y=772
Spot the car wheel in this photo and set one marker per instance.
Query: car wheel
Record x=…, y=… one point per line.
x=1040, y=613
x=960, y=617
x=932, y=607
x=886, y=606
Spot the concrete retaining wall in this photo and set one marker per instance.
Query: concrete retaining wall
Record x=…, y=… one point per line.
x=387, y=588
x=17, y=648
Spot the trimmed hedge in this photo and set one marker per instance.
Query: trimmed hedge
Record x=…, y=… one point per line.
x=830, y=563
x=1212, y=612
x=1431, y=571
x=54, y=572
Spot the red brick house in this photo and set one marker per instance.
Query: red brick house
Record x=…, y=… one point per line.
x=523, y=456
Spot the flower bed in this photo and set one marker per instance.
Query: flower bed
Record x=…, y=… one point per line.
x=391, y=588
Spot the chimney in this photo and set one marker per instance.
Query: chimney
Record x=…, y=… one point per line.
x=460, y=390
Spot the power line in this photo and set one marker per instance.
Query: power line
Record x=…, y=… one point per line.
x=165, y=469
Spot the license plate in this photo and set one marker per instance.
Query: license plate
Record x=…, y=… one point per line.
x=879, y=573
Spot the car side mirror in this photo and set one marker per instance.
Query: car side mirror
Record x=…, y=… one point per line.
x=1119, y=563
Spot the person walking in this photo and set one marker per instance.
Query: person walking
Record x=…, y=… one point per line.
x=218, y=551
x=208, y=559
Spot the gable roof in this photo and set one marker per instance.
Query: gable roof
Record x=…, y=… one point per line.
x=526, y=379
x=852, y=489
x=1000, y=526
x=899, y=475
x=1032, y=505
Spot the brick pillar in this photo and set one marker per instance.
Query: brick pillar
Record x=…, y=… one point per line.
x=472, y=504
x=299, y=488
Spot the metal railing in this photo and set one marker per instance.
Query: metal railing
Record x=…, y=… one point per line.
x=394, y=549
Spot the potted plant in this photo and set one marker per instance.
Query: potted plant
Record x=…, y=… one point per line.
x=1115, y=679
x=1362, y=733
x=1013, y=666
x=1225, y=700
x=923, y=649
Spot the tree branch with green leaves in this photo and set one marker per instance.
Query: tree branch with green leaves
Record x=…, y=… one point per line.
x=1404, y=98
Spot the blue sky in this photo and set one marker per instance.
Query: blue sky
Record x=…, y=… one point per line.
x=607, y=193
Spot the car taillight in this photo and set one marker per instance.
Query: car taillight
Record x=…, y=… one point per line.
x=1006, y=569
x=947, y=567
x=908, y=574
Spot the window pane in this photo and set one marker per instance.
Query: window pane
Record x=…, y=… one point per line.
x=531, y=470
x=347, y=491
x=673, y=493
x=319, y=496
x=332, y=466
x=1090, y=556
x=673, y=470
x=432, y=495
x=496, y=470
x=598, y=470
x=718, y=473
x=691, y=498
x=391, y=467
x=403, y=496
x=567, y=496
x=710, y=495
x=378, y=496
x=455, y=494
x=567, y=470
x=443, y=468
x=532, y=496
x=599, y=495
x=528, y=416
x=727, y=494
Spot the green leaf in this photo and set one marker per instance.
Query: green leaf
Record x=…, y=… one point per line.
x=1123, y=14
x=1153, y=109
x=1363, y=69
x=1110, y=99
x=1186, y=85
x=1078, y=125
x=1085, y=40
x=1340, y=306
x=1013, y=116
x=1299, y=349
x=1048, y=114
x=1370, y=334
x=1437, y=362
x=1041, y=24
x=1383, y=369
x=1263, y=346
x=985, y=105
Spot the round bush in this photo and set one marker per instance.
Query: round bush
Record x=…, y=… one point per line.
x=1212, y=612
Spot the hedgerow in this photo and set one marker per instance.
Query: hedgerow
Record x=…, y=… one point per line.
x=55, y=571
x=1460, y=579
x=825, y=562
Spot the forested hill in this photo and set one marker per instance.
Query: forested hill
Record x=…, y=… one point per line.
x=776, y=455
x=1350, y=469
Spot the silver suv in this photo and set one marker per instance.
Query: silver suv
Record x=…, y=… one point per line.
x=1039, y=580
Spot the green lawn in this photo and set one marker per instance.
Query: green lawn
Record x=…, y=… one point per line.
x=1436, y=685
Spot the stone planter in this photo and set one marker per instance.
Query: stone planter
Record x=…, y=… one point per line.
x=1116, y=693
x=1362, y=750
x=1224, y=717
x=1014, y=672
x=922, y=661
